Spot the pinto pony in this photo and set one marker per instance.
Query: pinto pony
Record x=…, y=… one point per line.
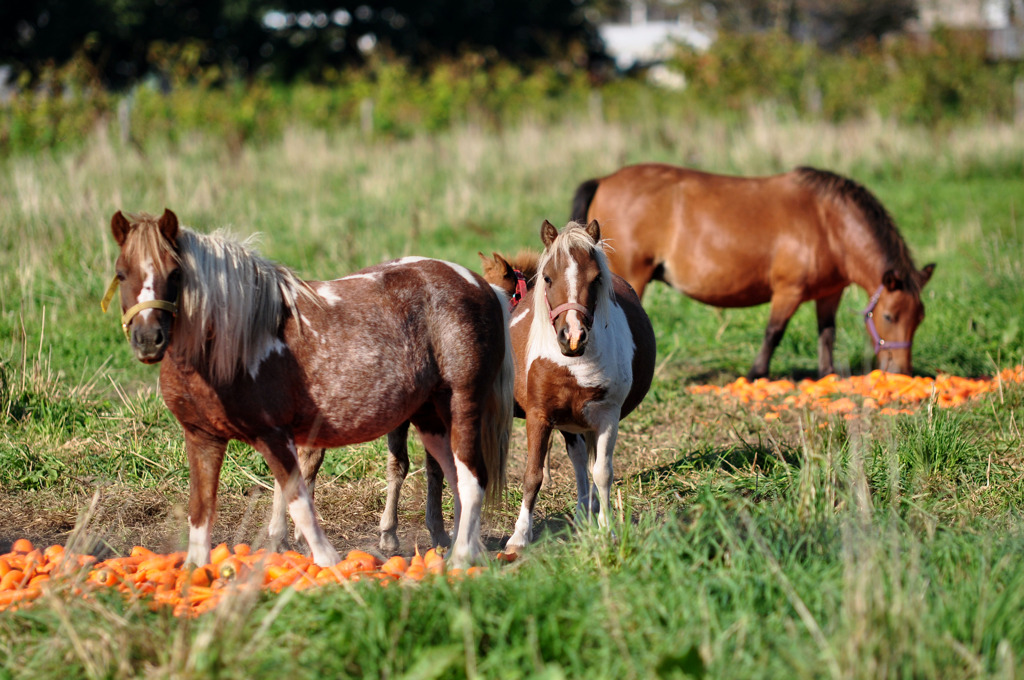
x=250, y=352
x=584, y=351
x=743, y=241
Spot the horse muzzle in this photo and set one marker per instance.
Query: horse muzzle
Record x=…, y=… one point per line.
x=149, y=334
x=149, y=342
x=573, y=344
x=894, y=361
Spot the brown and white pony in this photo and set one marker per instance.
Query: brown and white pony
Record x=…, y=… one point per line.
x=251, y=353
x=584, y=351
x=743, y=241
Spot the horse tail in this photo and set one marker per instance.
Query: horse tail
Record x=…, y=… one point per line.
x=582, y=199
x=496, y=419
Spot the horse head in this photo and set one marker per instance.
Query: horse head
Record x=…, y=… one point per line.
x=149, y=277
x=573, y=277
x=893, y=314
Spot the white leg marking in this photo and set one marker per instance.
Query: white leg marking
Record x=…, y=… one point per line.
x=603, y=470
x=278, y=527
x=524, y=530
x=301, y=510
x=467, y=538
x=198, y=545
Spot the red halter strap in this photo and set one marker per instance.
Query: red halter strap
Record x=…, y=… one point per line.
x=520, y=290
x=868, y=314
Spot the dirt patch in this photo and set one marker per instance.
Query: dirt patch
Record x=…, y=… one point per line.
x=109, y=520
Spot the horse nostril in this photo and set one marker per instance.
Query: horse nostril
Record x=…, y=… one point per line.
x=158, y=339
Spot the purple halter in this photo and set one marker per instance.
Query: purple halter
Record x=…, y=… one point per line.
x=868, y=314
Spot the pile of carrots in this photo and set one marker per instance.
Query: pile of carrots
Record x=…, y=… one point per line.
x=26, y=572
x=889, y=393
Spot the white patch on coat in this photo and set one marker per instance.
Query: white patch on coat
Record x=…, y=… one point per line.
x=351, y=277
x=459, y=269
x=607, y=361
x=147, y=294
x=327, y=293
x=273, y=345
x=464, y=273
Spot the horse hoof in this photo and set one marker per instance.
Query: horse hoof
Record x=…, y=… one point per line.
x=389, y=544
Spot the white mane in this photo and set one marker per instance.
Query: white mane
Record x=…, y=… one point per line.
x=233, y=301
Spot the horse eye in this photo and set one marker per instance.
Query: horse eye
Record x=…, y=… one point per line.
x=120, y=275
x=888, y=318
x=547, y=279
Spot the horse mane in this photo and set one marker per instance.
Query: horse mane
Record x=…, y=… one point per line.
x=573, y=236
x=894, y=249
x=233, y=301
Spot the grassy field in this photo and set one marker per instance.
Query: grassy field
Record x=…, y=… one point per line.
x=809, y=546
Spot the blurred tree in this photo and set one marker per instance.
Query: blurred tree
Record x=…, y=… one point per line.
x=288, y=38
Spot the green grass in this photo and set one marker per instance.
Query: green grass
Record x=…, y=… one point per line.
x=806, y=547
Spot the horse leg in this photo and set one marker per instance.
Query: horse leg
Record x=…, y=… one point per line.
x=310, y=460
x=279, y=451
x=601, y=445
x=471, y=478
x=538, y=436
x=440, y=464
x=435, y=517
x=577, y=450
x=205, y=457
x=827, y=308
x=782, y=308
x=398, y=468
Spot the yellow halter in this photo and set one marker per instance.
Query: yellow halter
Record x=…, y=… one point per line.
x=127, y=317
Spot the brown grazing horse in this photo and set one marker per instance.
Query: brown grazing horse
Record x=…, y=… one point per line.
x=743, y=241
x=249, y=352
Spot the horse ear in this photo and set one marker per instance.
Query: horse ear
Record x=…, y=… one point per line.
x=548, y=233
x=495, y=269
x=594, y=231
x=925, y=274
x=891, y=281
x=119, y=227
x=169, y=225
x=508, y=271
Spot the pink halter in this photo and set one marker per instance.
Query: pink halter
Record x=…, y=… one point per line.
x=565, y=307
